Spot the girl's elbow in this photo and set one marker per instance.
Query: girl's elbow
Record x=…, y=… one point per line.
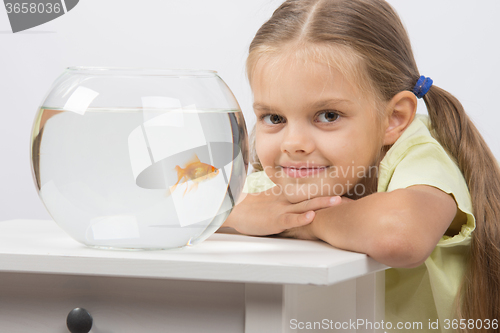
x=398, y=254
x=397, y=246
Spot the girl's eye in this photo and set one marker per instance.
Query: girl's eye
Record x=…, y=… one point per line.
x=328, y=116
x=272, y=119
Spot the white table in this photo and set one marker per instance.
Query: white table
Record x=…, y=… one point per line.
x=228, y=283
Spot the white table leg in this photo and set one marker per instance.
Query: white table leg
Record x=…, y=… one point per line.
x=370, y=302
x=263, y=308
x=350, y=306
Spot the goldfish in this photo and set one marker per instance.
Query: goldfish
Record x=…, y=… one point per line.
x=196, y=171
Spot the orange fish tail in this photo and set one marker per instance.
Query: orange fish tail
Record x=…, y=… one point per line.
x=180, y=173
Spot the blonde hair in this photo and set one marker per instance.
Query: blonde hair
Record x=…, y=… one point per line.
x=372, y=32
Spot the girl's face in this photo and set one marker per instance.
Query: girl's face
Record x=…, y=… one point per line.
x=316, y=134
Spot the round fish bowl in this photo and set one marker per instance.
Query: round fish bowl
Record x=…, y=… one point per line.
x=127, y=158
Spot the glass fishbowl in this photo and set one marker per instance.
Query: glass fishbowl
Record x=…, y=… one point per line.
x=127, y=158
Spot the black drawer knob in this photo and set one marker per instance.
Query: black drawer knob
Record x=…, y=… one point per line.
x=79, y=321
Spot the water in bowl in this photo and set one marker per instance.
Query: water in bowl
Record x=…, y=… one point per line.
x=107, y=176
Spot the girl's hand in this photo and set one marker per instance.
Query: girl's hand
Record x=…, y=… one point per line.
x=305, y=231
x=267, y=213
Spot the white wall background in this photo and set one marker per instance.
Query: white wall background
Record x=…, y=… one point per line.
x=455, y=42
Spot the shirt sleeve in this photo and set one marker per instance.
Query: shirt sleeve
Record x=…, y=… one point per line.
x=429, y=164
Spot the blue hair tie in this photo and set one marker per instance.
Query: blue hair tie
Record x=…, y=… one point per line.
x=422, y=86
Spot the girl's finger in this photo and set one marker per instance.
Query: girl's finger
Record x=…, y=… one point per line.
x=292, y=220
x=309, y=216
x=317, y=203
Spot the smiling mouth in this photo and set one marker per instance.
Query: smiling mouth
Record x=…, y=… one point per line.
x=302, y=172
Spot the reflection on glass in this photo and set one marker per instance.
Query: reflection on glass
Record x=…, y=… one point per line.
x=80, y=100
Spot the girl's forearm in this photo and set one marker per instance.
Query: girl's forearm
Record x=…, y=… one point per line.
x=391, y=227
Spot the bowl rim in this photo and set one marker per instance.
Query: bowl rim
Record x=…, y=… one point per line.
x=142, y=71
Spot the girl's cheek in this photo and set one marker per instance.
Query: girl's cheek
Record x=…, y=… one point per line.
x=267, y=154
x=261, y=148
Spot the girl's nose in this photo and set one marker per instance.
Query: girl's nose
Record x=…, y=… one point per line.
x=297, y=141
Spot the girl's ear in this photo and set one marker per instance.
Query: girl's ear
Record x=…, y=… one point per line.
x=400, y=113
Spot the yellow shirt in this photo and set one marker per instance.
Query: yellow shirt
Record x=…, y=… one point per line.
x=424, y=294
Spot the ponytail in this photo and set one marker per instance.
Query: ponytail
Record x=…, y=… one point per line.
x=480, y=291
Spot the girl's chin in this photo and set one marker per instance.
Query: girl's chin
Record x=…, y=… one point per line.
x=299, y=196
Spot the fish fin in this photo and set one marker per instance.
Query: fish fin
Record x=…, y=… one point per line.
x=173, y=187
x=194, y=160
x=194, y=186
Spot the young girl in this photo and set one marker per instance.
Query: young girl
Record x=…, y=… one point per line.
x=342, y=157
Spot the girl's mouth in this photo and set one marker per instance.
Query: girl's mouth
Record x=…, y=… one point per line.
x=302, y=172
